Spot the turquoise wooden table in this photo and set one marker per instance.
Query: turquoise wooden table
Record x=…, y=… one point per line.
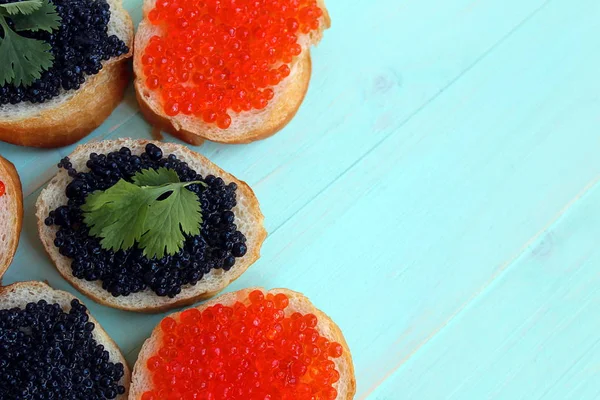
x=437, y=194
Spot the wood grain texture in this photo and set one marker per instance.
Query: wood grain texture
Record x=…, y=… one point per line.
x=533, y=334
x=439, y=145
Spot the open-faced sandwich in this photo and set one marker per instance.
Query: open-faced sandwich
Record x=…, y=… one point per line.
x=11, y=213
x=148, y=226
x=226, y=71
x=62, y=68
x=52, y=348
x=246, y=345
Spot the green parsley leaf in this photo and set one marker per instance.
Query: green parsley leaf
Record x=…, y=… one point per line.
x=23, y=59
x=154, y=211
x=21, y=7
x=45, y=18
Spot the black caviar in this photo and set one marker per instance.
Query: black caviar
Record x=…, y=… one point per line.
x=46, y=353
x=79, y=47
x=129, y=271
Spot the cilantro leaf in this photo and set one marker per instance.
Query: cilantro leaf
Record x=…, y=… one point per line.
x=21, y=7
x=117, y=215
x=23, y=59
x=45, y=18
x=155, y=177
x=166, y=221
x=154, y=211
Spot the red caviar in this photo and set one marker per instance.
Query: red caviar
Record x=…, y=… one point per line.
x=245, y=352
x=215, y=57
x=2, y=188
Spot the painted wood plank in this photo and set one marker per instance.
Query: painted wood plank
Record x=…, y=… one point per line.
x=532, y=335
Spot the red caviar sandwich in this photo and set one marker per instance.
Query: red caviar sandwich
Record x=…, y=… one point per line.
x=248, y=345
x=231, y=71
x=11, y=213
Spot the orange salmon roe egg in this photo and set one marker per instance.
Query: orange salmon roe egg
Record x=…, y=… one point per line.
x=245, y=352
x=2, y=188
x=215, y=57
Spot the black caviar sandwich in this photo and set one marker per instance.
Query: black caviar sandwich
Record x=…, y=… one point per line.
x=52, y=348
x=63, y=68
x=148, y=226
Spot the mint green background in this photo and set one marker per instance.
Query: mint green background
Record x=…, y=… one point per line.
x=437, y=194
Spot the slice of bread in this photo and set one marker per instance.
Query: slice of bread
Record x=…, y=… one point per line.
x=11, y=213
x=74, y=113
x=248, y=218
x=346, y=386
x=21, y=293
x=245, y=126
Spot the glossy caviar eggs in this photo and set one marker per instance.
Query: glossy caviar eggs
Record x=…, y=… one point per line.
x=48, y=353
x=79, y=46
x=215, y=58
x=258, y=350
x=124, y=272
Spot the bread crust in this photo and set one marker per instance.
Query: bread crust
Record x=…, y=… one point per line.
x=280, y=116
x=75, y=118
x=10, y=177
x=289, y=96
x=334, y=333
x=189, y=294
x=100, y=334
x=78, y=116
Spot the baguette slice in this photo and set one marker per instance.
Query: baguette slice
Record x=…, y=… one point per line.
x=21, y=293
x=75, y=113
x=346, y=386
x=245, y=127
x=249, y=220
x=11, y=214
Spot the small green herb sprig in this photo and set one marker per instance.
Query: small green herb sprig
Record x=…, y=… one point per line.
x=154, y=211
x=23, y=59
